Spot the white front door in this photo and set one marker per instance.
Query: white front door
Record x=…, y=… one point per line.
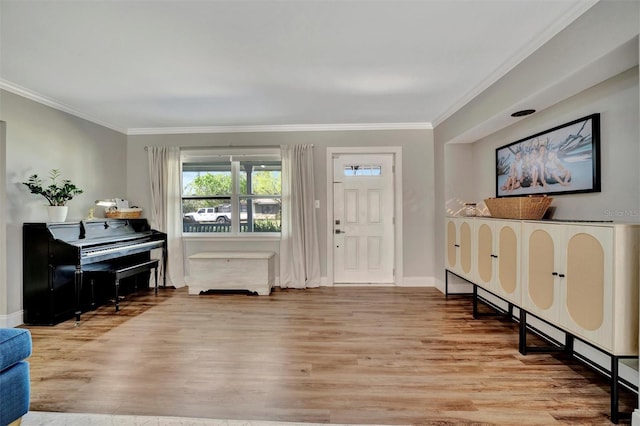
x=363, y=221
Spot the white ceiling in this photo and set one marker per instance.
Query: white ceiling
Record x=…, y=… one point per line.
x=151, y=66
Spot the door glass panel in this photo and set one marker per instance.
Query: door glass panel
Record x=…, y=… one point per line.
x=585, y=281
x=362, y=170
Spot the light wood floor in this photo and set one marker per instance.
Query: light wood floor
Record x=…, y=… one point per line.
x=328, y=355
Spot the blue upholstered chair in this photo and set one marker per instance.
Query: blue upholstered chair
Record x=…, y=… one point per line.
x=15, y=347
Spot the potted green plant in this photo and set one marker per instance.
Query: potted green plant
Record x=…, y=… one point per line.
x=57, y=193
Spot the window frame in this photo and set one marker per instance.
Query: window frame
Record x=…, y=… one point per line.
x=235, y=156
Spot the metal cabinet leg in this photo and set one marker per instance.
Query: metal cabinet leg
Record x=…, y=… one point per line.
x=522, y=330
x=615, y=413
x=475, y=301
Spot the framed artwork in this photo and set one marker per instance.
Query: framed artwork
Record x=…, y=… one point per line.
x=562, y=160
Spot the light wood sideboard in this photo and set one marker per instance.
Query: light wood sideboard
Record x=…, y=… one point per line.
x=578, y=277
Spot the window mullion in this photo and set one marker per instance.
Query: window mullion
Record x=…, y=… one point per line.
x=235, y=200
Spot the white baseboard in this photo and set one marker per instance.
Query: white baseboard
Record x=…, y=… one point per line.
x=635, y=418
x=402, y=282
x=417, y=282
x=12, y=320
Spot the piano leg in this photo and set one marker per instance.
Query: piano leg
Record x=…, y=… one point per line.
x=155, y=273
x=164, y=266
x=117, y=296
x=93, y=293
x=78, y=285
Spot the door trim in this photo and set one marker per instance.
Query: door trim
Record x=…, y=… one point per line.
x=396, y=151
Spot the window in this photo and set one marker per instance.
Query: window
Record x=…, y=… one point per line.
x=233, y=193
x=363, y=170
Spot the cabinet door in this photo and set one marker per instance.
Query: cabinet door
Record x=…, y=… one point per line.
x=452, y=245
x=498, y=257
x=539, y=291
x=507, y=241
x=587, y=285
x=568, y=278
x=485, y=253
x=459, y=246
x=466, y=244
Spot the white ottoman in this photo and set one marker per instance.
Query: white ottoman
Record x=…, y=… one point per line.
x=247, y=270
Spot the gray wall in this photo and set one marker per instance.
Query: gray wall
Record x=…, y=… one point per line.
x=469, y=173
x=418, y=181
x=617, y=102
x=107, y=164
x=599, y=44
x=563, y=80
x=38, y=139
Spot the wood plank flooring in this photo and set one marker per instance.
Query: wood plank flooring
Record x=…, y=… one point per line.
x=377, y=355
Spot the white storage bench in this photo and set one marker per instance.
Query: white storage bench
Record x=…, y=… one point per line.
x=247, y=270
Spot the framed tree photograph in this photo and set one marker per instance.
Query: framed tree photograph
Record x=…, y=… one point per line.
x=561, y=160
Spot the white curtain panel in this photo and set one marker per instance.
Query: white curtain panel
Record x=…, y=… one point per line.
x=299, y=253
x=166, y=216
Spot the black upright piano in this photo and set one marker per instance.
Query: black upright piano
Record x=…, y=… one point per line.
x=62, y=261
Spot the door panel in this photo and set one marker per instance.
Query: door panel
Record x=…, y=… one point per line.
x=351, y=206
x=351, y=253
x=374, y=248
x=374, y=207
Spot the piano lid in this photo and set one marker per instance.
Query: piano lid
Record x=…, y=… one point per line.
x=110, y=228
x=66, y=231
x=89, y=232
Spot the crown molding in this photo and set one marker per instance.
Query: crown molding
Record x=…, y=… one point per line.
x=41, y=99
x=536, y=43
x=281, y=128
x=36, y=97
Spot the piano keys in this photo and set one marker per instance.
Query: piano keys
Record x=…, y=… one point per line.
x=62, y=264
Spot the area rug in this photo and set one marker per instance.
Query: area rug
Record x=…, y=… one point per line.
x=41, y=418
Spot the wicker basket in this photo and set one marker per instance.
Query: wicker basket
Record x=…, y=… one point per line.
x=132, y=213
x=532, y=208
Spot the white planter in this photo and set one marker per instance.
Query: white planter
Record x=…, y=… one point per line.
x=57, y=213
